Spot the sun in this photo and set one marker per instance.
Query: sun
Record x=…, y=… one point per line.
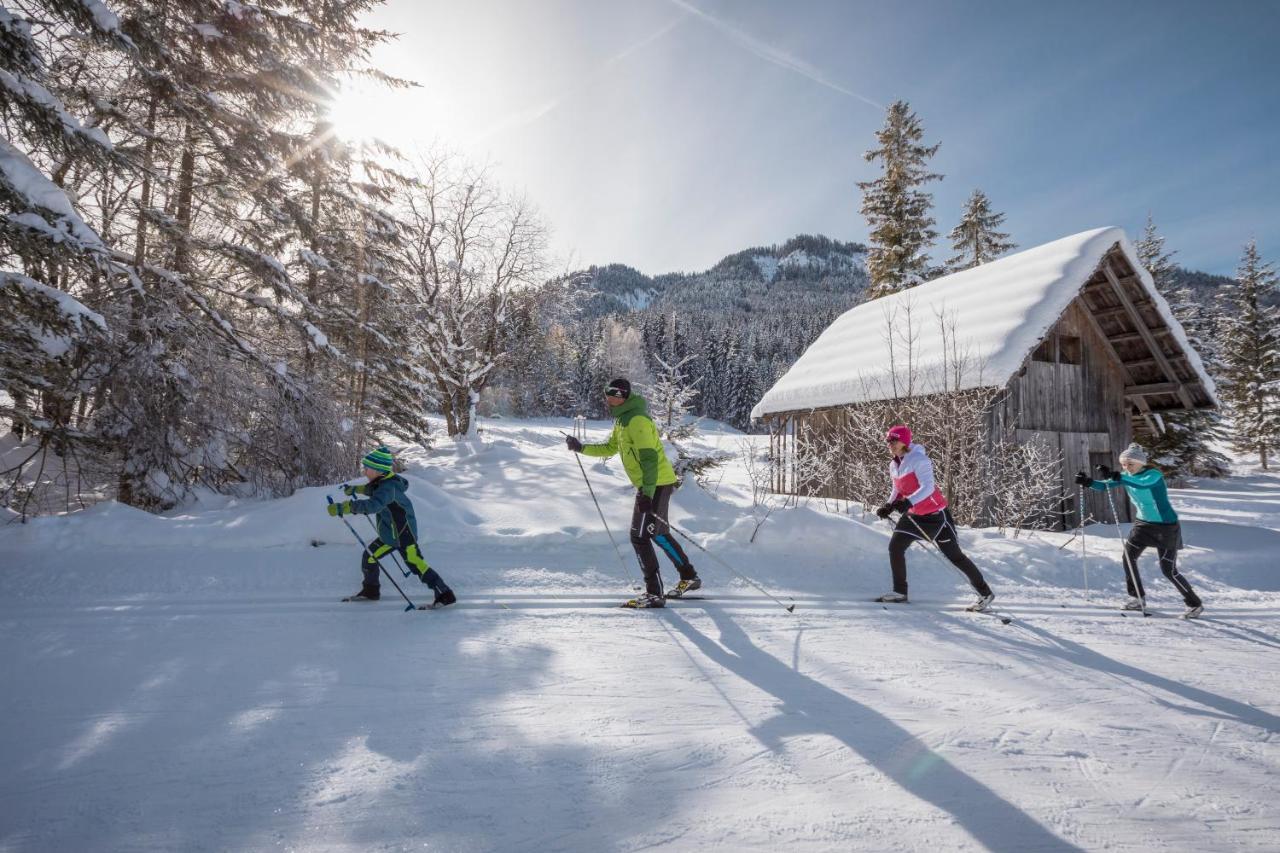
x=363, y=111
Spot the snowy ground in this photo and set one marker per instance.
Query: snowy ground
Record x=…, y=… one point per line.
x=191, y=683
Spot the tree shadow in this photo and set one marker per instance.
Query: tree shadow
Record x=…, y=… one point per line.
x=810, y=707
x=183, y=730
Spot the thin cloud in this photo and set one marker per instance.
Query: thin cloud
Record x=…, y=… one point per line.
x=526, y=117
x=769, y=53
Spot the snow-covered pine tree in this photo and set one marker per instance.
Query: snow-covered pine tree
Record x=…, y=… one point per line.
x=670, y=397
x=1185, y=446
x=210, y=112
x=896, y=208
x=1251, y=358
x=54, y=350
x=977, y=238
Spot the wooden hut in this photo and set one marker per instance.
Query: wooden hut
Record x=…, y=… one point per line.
x=1075, y=345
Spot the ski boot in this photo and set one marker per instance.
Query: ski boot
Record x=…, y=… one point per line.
x=983, y=602
x=365, y=594
x=645, y=600
x=684, y=586
x=1193, y=612
x=893, y=598
x=444, y=597
x=1135, y=602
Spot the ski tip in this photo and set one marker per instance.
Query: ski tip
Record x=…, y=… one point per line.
x=1004, y=620
x=791, y=609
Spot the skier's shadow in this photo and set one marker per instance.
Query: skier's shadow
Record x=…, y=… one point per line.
x=1053, y=645
x=813, y=708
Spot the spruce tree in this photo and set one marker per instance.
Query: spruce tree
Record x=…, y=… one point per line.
x=896, y=208
x=977, y=239
x=1184, y=447
x=1251, y=358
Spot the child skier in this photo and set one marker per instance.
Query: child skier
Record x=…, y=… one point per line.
x=397, y=527
x=924, y=515
x=1157, y=526
x=635, y=436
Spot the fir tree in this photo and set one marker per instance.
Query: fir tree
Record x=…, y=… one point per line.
x=670, y=397
x=1183, y=446
x=977, y=239
x=896, y=208
x=1251, y=358
x=175, y=153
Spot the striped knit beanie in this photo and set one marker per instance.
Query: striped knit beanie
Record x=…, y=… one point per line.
x=379, y=460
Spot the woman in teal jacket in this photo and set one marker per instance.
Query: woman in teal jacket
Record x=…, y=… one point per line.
x=1157, y=526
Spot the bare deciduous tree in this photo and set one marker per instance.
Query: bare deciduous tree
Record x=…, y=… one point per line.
x=470, y=247
x=986, y=479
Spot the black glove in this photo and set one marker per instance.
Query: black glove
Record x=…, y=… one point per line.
x=1107, y=474
x=883, y=511
x=1083, y=479
x=644, y=503
x=901, y=505
x=573, y=444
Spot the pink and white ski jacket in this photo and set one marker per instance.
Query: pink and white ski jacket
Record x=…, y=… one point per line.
x=913, y=479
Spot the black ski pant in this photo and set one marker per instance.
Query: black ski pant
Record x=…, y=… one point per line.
x=650, y=527
x=408, y=548
x=1166, y=539
x=939, y=528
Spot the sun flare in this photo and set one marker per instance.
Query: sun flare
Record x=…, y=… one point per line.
x=358, y=115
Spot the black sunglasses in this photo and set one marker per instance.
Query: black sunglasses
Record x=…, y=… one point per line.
x=615, y=392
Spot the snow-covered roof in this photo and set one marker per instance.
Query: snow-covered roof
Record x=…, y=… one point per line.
x=999, y=312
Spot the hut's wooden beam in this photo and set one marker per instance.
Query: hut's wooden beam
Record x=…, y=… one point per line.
x=1152, y=389
x=1134, y=337
x=1149, y=339
x=1139, y=401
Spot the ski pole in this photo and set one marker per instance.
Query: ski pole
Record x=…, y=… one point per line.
x=688, y=537
x=410, y=605
x=628, y=572
x=1124, y=552
x=935, y=550
x=1084, y=559
x=394, y=556
x=937, y=553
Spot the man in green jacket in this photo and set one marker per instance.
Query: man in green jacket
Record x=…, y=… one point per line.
x=635, y=437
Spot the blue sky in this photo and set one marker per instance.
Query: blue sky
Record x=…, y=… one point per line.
x=666, y=134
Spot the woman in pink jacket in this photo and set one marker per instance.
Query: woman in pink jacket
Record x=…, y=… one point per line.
x=924, y=515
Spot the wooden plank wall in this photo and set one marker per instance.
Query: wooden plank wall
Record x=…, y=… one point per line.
x=1084, y=404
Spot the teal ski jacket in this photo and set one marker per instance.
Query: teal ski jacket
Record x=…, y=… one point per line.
x=1148, y=492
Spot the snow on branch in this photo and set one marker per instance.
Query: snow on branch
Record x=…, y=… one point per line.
x=40, y=204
